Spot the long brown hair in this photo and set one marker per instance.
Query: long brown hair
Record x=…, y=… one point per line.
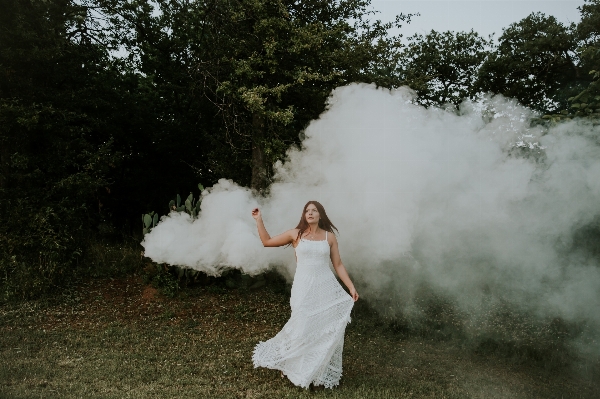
x=324, y=222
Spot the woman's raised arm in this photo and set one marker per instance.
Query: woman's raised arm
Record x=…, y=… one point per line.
x=282, y=239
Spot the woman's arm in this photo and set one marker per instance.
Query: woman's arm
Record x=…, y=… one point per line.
x=340, y=269
x=268, y=241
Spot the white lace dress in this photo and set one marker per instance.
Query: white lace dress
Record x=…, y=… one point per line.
x=309, y=347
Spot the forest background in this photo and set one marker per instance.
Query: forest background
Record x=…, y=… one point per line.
x=109, y=108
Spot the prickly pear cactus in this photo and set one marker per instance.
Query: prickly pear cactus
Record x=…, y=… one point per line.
x=191, y=206
x=149, y=220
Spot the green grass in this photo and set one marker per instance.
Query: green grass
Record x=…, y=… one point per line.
x=119, y=338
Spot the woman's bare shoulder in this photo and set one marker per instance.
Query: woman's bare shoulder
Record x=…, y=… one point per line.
x=331, y=238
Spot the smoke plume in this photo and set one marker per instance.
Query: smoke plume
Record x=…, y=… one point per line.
x=477, y=205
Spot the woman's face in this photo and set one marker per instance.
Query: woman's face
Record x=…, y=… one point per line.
x=312, y=214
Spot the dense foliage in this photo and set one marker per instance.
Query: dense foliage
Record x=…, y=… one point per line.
x=56, y=146
x=108, y=108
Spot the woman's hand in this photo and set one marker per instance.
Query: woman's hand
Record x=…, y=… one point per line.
x=256, y=213
x=354, y=294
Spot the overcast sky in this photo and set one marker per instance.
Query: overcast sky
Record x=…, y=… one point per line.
x=485, y=17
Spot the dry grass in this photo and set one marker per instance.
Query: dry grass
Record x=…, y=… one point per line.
x=121, y=339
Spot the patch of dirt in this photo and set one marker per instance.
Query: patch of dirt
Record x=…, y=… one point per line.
x=149, y=293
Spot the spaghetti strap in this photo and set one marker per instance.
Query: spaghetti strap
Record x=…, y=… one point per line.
x=325, y=235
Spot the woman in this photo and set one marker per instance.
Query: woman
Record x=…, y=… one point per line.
x=308, y=350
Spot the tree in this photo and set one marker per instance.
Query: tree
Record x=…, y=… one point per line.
x=56, y=152
x=588, y=29
x=585, y=101
x=442, y=66
x=257, y=70
x=90, y=138
x=534, y=62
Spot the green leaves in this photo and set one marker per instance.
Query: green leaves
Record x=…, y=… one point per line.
x=442, y=66
x=99, y=139
x=57, y=151
x=534, y=62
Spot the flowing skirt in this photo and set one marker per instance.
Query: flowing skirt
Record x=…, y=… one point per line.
x=309, y=347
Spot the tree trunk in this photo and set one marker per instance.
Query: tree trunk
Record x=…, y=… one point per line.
x=259, y=170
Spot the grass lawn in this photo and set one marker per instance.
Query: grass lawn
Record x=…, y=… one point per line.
x=119, y=338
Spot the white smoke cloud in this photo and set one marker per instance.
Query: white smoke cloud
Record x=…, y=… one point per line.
x=421, y=196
